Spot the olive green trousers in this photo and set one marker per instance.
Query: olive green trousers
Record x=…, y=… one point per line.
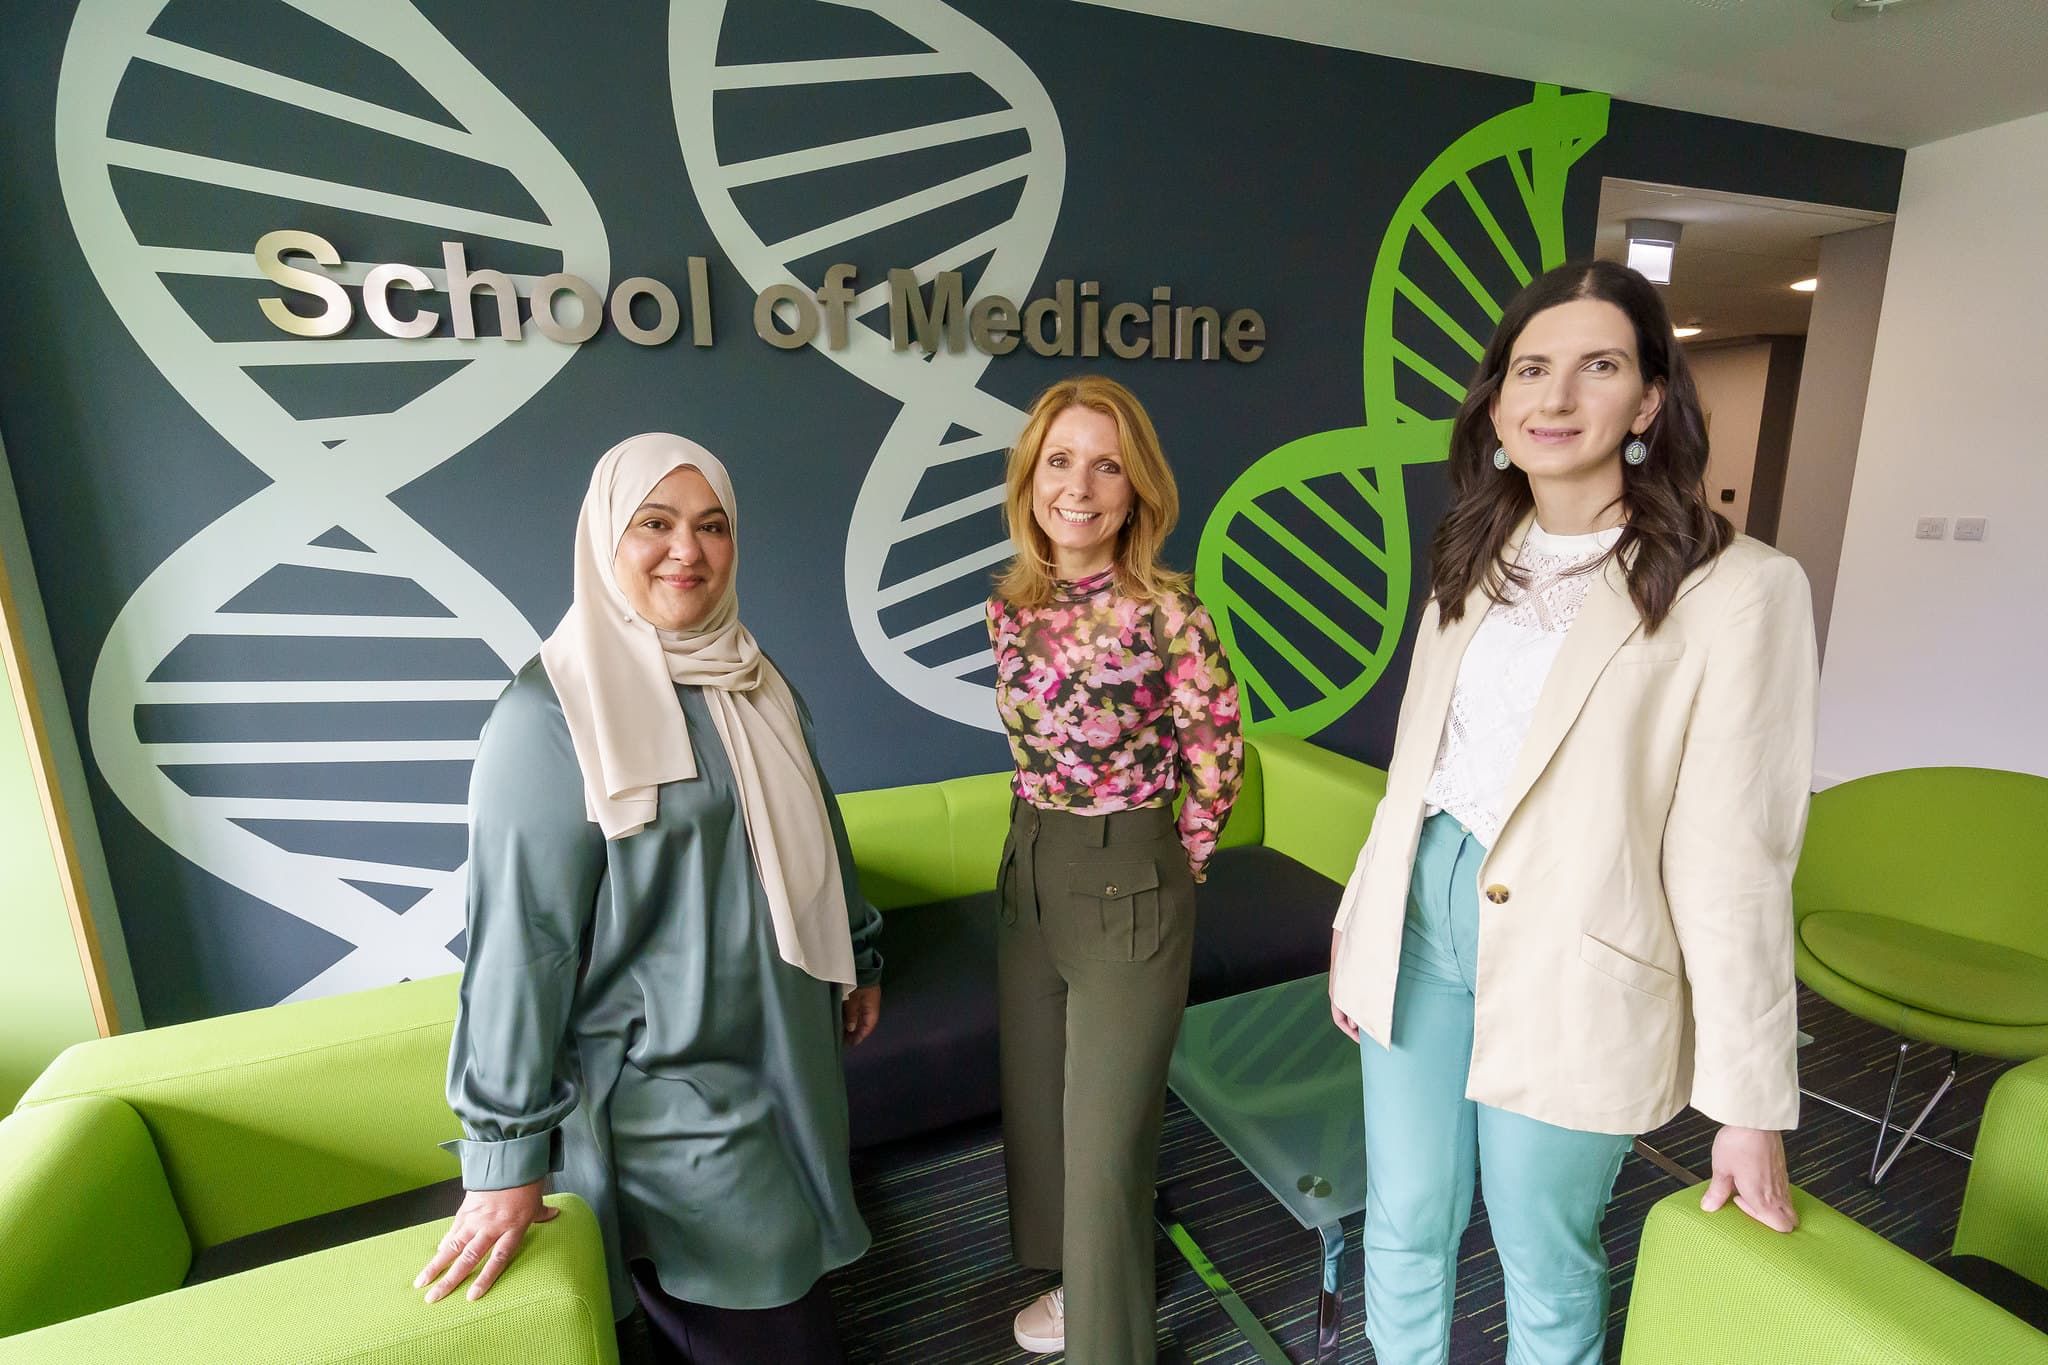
x=1097, y=933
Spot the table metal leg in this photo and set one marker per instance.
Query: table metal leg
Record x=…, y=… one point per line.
x=1666, y=1164
x=1330, y=1307
x=1241, y=1314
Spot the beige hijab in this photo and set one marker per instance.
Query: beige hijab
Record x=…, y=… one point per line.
x=614, y=673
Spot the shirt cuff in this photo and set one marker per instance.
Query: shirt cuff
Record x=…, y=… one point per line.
x=508, y=1163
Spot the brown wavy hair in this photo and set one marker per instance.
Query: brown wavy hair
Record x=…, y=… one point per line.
x=1140, y=573
x=1669, y=529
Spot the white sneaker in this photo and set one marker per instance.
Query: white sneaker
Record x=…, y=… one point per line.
x=1041, y=1327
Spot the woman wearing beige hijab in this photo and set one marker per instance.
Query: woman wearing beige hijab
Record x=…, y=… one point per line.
x=666, y=944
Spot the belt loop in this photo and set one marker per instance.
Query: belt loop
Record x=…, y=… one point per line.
x=1098, y=830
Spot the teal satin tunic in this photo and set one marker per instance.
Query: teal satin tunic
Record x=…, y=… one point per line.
x=628, y=1024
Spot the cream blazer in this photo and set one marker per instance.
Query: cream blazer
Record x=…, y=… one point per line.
x=1635, y=914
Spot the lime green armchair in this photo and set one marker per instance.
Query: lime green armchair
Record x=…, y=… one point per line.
x=133, y=1158
x=1720, y=1289
x=1921, y=907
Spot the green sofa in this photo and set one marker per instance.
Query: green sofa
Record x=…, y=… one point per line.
x=1717, y=1289
x=139, y=1167
x=928, y=856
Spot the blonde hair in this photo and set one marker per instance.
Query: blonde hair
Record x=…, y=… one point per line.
x=1140, y=574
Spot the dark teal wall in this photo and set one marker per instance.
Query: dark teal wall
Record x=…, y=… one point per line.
x=168, y=482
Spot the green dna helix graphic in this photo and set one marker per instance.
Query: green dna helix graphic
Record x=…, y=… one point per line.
x=1306, y=561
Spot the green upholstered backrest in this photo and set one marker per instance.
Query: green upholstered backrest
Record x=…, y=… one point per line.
x=940, y=841
x=1315, y=806
x=933, y=841
x=2005, y=1205
x=86, y=1217
x=1955, y=849
x=279, y=1114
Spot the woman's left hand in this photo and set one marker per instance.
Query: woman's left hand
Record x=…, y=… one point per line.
x=1749, y=1163
x=862, y=1011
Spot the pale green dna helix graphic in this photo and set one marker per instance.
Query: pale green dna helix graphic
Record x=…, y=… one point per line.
x=1310, y=598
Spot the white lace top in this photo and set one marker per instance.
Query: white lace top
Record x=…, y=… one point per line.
x=1502, y=676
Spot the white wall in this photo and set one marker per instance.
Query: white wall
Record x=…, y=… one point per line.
x=1938, y=650
x=1732, y=380
x=1834, y=386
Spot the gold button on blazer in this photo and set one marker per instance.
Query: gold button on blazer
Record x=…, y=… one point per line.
x=1644, y=958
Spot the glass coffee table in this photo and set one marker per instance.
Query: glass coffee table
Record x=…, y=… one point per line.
x=1271, y=1076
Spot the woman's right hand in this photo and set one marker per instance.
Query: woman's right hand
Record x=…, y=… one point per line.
x=487, y=1231
x=1337, y=1014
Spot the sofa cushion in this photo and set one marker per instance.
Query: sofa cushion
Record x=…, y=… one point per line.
x=1260, y=918
x=932, y=1061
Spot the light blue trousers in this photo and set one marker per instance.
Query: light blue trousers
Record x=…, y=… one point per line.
x=1546, y=1187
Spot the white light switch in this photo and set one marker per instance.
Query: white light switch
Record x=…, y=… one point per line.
x=1971, y=528
x=1930, y=528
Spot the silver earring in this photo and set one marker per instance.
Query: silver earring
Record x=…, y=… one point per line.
x=1500, y=457
x=1635, y=452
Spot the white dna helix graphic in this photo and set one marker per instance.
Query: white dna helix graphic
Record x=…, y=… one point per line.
x=326, y=524
x=922, y=540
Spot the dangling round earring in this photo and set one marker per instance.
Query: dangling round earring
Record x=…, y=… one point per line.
x=1500, y=457
x=1635, y=452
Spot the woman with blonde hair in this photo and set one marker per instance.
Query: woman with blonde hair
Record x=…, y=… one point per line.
x=1113, y=687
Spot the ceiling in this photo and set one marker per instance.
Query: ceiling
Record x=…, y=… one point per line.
x=1737, y=255
x=1921, y=71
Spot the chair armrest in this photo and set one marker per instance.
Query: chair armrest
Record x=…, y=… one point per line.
x=1319, y=804
x=2005, y=1207
x=355, y=1305
x=1720, y=1289
x=86, y=1217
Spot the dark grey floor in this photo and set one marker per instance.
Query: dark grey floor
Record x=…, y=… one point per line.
x=939, y=1286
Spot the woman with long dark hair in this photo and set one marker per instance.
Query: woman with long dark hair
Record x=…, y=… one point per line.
x=1572, y=917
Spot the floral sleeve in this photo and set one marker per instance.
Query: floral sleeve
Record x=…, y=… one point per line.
x=1205, y=718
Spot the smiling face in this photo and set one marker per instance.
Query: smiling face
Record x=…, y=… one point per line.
x=676, y=556
x=1081, y=493
x=1573, y=394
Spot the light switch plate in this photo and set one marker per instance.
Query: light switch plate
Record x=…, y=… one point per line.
x=1930, y=528
x=1971, y=528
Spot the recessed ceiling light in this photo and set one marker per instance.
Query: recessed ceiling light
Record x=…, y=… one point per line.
x=1849, y=11
x=1651, y=242
x=1806, y=286
x=1683, y=332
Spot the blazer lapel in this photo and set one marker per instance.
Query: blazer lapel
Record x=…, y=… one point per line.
x=1605, y=620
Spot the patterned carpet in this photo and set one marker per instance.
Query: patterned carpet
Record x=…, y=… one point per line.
x=939, y=1288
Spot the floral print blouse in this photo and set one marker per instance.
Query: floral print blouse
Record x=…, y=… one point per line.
x=1113, y=704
